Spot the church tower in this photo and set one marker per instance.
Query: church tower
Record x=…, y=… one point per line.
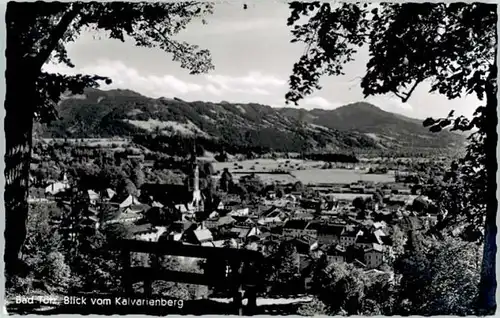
x=197, y=202
x=196, y=177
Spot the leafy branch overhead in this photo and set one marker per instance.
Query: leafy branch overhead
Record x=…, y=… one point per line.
x=151, y=25
x=452, y=46
x=37, y=33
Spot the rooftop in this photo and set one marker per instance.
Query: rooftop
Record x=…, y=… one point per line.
x=331, y=229
x=375, y=247
x=336, y=250
x=203, y=235
x=296, y=224
x=143, y=228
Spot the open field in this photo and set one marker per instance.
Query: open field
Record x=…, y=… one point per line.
x=339, y=176
x=90, y=142
x=267, y=165
x=269, y=178
x=307, y=172
x=349, y=196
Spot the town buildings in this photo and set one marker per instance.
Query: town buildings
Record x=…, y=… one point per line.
x=320, y=221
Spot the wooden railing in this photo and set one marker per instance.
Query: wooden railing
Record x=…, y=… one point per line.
x=241, y=280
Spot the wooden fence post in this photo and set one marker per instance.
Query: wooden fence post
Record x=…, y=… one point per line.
x=148, y=289
x=127, y=285
x=251, y=295
x=237, y=286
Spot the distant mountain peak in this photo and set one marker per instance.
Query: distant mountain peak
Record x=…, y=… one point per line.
x=115, y=92
x=361, y=106
x=353, y=126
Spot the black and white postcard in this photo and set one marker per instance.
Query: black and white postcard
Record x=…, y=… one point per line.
x=250, y=158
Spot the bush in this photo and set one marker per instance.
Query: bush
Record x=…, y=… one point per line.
x=313, y=308
x=56, y=272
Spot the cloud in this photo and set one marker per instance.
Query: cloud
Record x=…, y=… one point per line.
x=124, y=76
x=318, y=102
x=254, y=82
x=391, y=104
x=214, y=90
x=218, y=85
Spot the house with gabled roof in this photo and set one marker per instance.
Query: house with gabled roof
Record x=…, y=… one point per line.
x=379, y=233
x=349, y=235
x=330, y=233
x=203, y=235
x=294, y=228
x=107, y=194
x=156, y=204
x=56, y=187
x=181, y=208
x=219, y=222
x=336, y=253
x=366, y=239
x=146, y=232
x=93, y=196
x=379, y=225
x=196, y=235
x=137, y=208
x=128, y=201
x=240, y=212
x=374, y=256
x=243, y=234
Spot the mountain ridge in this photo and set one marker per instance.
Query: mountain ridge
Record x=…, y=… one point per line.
x=99, y=113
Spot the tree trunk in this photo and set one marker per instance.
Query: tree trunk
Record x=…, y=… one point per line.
x=18, y=124
x=18, y=129
x=488, y=284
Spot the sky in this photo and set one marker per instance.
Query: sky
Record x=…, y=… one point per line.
x=253, y=60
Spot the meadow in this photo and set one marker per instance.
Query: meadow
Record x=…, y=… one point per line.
x=267, y=165
x=339, y=176
x=90, y=142
x=293, y=170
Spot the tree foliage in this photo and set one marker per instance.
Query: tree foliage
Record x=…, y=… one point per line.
x=42, y=254
x=284, y=266
x=313, y=308
x=452, y=47
x=126, y=188
x=36, y=34
x=226, y=180
x=138, y=177
x=359, y=203
x=432, y=285
x=341, y=287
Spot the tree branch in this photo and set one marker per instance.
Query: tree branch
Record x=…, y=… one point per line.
x=57, y=33
x=166, y=39
x=308, y=47
x=395, y=92
x=408, y=95
x=404, y=98
x=330, y=33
